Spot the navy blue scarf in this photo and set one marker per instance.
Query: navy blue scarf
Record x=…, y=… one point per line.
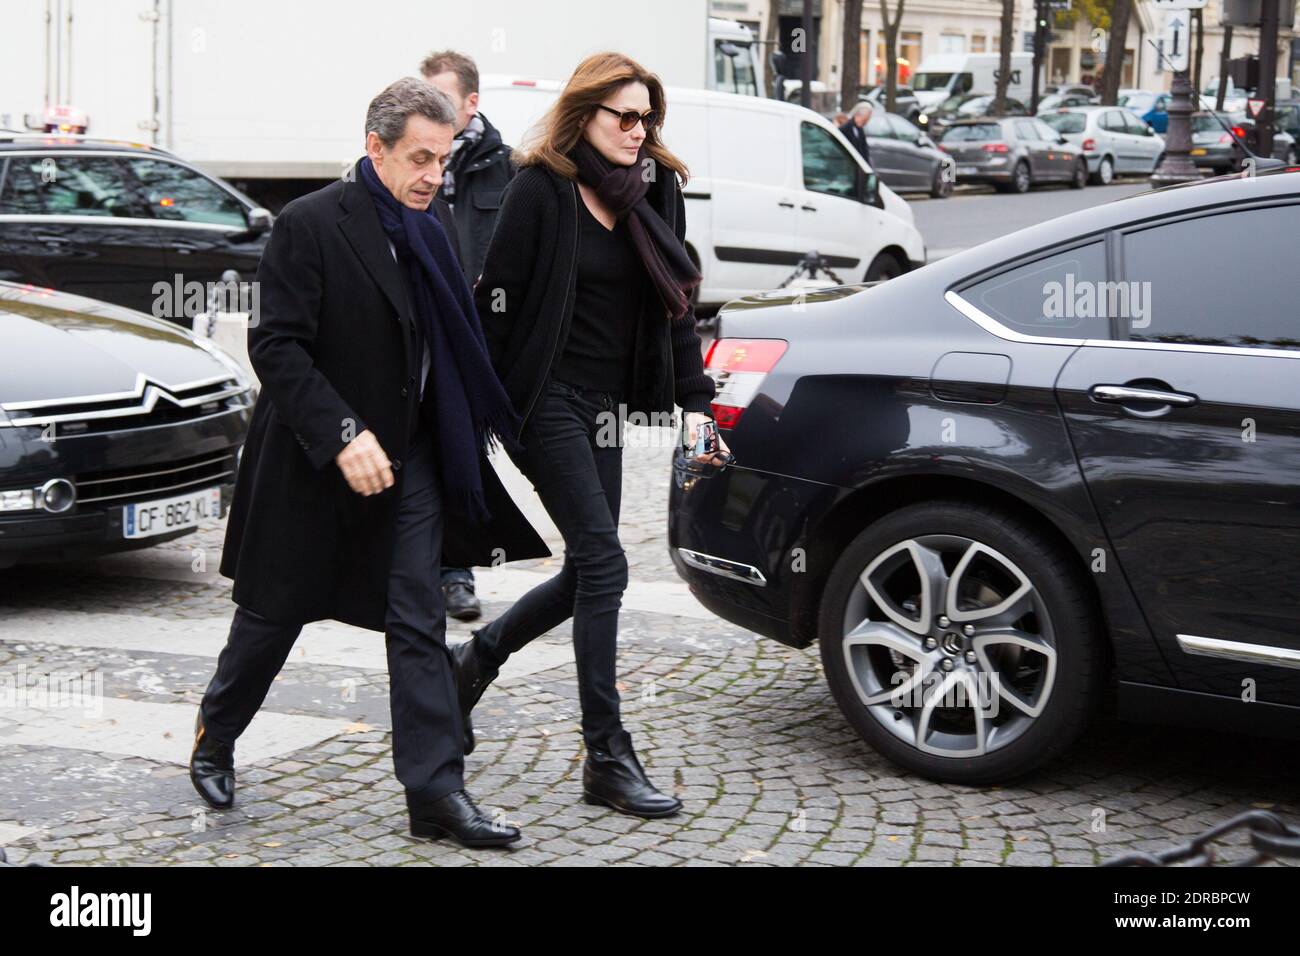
x=473, y=409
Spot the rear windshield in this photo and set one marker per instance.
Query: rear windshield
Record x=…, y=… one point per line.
x=1204, y=123
x=973, y=133
x=1065, y=122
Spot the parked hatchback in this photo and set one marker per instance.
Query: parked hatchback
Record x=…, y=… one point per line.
x=906, y=158
x=990, y=496
x=1113, y=140
x=1014, y=153
x=110, y=220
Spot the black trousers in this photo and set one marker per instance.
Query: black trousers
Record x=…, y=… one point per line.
x=427, y=728
x=573, y=455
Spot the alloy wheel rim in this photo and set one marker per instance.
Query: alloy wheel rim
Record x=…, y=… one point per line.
x=949, y=646
x=1107, y=171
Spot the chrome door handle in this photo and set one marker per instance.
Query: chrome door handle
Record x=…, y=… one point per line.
x=1123, y=395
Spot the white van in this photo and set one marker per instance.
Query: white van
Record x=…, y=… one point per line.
x=769, y=182
x=949, y=74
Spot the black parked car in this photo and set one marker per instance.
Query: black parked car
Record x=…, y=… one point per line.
x=906, y=104
x=109, y=220
x=906, y=158
x=117, y=430
x=1014, y=153
x=965, y=106
x=968, y=478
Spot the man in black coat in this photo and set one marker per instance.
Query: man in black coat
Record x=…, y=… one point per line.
x=855, y=130
x=479, y=171
x=337, y=511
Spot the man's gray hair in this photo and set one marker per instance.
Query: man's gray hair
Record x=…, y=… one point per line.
x=409, y=96
x=863, y=105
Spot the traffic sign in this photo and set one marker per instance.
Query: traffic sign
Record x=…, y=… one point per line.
x=1254, y=106
x=1178, y=4
x=1176, y=40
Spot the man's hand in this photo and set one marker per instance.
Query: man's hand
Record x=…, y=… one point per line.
x=693, y=421
x=364, y=465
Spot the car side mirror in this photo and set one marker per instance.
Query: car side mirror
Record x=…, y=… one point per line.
x=1060, y=138
x=259, y=220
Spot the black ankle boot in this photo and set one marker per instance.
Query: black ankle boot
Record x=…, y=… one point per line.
x=613, y=777
x=456, y=816
x=473, y=675
x=460, y=601
x=212, y=767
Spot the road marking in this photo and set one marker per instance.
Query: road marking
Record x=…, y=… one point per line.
x=155, y=731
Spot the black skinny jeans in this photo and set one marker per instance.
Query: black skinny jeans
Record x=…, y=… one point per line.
x=573, y=455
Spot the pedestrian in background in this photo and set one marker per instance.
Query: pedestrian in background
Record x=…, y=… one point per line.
x=855, y=129
x=479, y=171
x=586, y=303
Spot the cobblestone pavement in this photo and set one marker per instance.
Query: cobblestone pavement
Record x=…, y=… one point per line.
x=742, y=729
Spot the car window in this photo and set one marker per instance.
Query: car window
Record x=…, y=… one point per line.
x=1049, y=297
x=1135, y=125
x=973, y=133
x=1066, y=122
x=903, y=129
x=1026, y=130
x=1212, y=282
x=878, y=126
x=60, y=185
x=1112, y=122
x=1046, y=132
x=177, y=194
x=827, y=166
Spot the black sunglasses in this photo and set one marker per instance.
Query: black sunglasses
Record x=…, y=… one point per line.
x=629, y=118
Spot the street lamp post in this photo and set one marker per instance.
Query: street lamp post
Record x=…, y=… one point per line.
x=1177, y=166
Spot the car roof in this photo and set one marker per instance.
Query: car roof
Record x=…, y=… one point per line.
x=1095, y=221
x=15, y=140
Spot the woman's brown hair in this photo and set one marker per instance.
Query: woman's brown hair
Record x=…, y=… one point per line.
x=560, y=129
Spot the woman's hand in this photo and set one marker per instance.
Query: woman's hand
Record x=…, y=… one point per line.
x=722, y=456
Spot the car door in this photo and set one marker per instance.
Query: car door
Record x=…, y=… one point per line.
x=1060, y=156
x=1187, y=432
x=74, y=222
x=886, y=157
x=912, y=159
x=1035, y=150
x=833, y=220
x=1147, y=146
x=204, y=226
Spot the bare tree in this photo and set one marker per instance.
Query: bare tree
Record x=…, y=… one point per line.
x=1225, y=55
x=851, y=77
x=772, y=45
x=1112, y=72
x=891, y=52
x=1004, y=58
x=1199, y=22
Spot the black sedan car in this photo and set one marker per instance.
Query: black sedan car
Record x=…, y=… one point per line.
x=906, y=158
x=999, y=486
x=1014, y=154
x=964, y=106
x=110, y=220
x=117, y=430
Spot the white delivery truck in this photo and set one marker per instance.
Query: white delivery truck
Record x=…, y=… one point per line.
x=950, y=74
x=769, y=183
x=274, y=93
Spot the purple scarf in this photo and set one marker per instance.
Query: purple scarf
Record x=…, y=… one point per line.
x=623, y=189
x=472, y=407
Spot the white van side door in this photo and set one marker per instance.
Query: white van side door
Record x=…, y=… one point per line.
x=754, y=207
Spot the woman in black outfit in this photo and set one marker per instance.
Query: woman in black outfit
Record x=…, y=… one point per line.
x=585, y=304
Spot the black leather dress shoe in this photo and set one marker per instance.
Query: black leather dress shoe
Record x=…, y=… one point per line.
x=460, y=601
x=472, y=678
x=212, y=767
x=456, y=816
x=613, y=777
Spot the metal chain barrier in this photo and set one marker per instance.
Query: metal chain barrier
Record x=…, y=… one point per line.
x=1271, y=838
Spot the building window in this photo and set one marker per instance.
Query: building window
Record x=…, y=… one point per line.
x=909, y=56
x=952, y=43
x=978, y=43
x=864, y=54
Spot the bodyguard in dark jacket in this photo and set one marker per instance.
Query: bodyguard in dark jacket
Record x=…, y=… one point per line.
x=352, y=486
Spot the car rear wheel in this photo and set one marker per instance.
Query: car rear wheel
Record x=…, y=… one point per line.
x=884, y=266
x=1021, y=180
x=960, y=642
x=941, y=184
x=1105, y=174
x=1080, y=177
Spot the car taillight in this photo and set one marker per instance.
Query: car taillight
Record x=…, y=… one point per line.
x=1238, y=132
x=996, y=148
x=738, y=366
x=1089, y=145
